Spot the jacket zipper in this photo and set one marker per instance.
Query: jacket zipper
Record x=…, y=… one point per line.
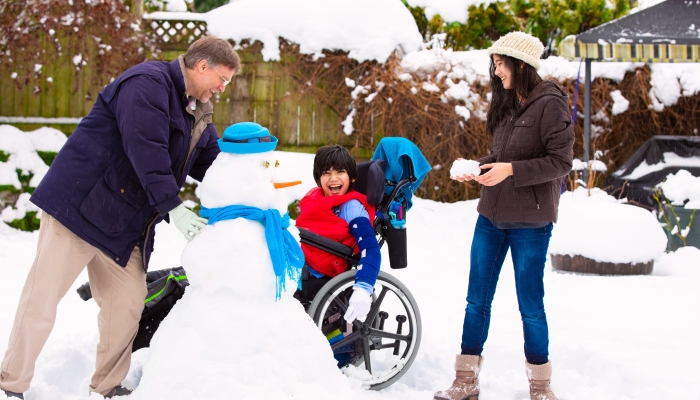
x=147, y=228
x=503, y=149
x=534, y=194
x=182, y=169
x=147, y=233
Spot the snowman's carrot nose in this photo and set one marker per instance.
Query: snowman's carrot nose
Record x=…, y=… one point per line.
x=280, y=185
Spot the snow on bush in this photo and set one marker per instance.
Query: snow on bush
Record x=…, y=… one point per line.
x=620, y=103
x=681, y=187
x=605, y=229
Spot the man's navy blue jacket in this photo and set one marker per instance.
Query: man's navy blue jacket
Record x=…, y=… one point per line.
x=121, y=170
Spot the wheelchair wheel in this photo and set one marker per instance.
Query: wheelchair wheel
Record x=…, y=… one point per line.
x=390, y=335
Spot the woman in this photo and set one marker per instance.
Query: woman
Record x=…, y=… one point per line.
x=532, y=145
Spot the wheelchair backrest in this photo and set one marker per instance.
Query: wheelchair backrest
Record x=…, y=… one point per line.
x=371, y=180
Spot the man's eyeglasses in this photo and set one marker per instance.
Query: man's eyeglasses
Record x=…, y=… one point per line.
x=226, y=82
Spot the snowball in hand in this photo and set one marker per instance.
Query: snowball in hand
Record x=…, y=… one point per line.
x=465, y=167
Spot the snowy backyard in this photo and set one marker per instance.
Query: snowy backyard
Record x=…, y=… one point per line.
x=632, y=337
x=611, y=337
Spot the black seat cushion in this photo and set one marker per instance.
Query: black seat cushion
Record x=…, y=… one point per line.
x=371, y=180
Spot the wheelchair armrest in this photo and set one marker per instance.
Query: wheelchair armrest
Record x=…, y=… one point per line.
x=325, y=244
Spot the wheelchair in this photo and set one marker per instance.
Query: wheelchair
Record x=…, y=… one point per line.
x=380, y=350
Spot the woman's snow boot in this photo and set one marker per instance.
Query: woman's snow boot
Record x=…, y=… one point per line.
x=466, y=383
x=539, y=377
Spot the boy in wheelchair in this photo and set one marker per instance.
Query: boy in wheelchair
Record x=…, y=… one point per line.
x=337, y=212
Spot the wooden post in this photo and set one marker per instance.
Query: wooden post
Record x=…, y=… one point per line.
x=137, y=8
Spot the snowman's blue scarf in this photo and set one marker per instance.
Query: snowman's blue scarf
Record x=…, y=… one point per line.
x=287, y=257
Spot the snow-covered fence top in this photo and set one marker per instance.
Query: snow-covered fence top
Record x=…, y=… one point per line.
x=366, y=29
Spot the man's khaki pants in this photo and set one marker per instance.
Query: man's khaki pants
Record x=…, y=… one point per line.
x=119, y=292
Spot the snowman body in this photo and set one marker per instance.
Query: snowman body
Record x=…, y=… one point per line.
x=228, y=338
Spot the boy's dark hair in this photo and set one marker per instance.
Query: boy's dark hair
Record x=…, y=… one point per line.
x=336, y=157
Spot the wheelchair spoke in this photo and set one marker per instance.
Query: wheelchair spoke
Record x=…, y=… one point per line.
x=389, y=335
x=375, y=306
x=343, y=306
x=366, y=349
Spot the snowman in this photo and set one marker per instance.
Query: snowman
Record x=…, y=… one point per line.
x=237, y=334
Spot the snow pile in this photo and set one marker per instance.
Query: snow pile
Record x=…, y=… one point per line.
x=449, y=10
x=230, y=314
x=316, y=25
x=684, y=263
x=604, y=229
x=681, y=187
x=22, y=207
x=22, y=147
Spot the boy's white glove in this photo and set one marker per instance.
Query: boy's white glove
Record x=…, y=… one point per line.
x=360, y=303
x=187, y=222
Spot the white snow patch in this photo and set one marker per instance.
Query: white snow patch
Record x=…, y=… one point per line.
x=620, y=103
x=681, y=187
x=670, y=159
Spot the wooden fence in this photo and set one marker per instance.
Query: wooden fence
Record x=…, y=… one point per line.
x=263, y=93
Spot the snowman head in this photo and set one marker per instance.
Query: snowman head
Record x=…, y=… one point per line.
x=246, y=171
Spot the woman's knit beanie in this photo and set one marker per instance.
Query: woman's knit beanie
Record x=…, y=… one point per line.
x=519, y=45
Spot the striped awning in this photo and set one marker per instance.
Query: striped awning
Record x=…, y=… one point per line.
x=572, y=49
x=666, y=32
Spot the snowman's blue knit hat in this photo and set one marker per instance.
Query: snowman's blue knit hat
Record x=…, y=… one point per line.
x=247, y=138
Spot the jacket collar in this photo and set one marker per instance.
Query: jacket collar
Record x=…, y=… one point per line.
x=179, y=77
x=545, y=88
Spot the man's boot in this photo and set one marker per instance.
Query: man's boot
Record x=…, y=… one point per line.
x=466, y=383
x=539, y=377
x=13, y=394
x=118, y=391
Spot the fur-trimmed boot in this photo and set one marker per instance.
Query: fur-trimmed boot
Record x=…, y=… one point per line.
x=466, y=383
x=539, y=377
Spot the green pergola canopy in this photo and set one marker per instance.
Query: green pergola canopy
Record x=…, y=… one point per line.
x=666, y=32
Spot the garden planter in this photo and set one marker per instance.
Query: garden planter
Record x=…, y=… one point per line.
x=601, y=235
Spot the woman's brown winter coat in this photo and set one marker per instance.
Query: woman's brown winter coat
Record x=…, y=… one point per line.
x=538, y=141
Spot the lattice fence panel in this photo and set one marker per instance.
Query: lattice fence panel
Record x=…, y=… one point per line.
x=176, y=34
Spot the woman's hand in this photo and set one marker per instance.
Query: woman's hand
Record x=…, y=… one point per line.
x=499, y=172
x=462, y=178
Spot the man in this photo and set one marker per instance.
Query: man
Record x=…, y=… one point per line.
x=117, y=176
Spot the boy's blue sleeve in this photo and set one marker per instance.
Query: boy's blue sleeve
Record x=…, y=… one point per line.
x=368, y=268
x=352, y=209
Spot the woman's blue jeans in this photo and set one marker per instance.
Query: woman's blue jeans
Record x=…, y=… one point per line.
x=529, y=252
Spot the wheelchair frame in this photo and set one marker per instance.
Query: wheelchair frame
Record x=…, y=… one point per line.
x=332, y=301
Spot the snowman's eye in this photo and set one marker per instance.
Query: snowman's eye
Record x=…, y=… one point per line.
x=266, y=164
x=277, y=163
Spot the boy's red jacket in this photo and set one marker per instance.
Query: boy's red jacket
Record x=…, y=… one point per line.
x=317, y=216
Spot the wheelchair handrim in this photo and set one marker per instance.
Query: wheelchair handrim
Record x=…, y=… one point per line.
x=413, y=318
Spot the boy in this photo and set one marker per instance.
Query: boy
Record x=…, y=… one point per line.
x=337, y=212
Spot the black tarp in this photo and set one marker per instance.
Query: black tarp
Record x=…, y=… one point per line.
x=640, y=190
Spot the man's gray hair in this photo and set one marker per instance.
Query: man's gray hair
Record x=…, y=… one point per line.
x=215, y=52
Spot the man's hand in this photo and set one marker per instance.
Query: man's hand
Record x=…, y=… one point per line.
x=187, y=222
x=499, y=172
x=360, y=303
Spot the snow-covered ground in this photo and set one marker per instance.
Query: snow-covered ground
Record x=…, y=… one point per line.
x=635, y=337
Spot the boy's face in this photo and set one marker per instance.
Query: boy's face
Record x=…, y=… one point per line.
x=335, y=183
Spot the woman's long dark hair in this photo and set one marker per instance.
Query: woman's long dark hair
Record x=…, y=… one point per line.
x=504, y=101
